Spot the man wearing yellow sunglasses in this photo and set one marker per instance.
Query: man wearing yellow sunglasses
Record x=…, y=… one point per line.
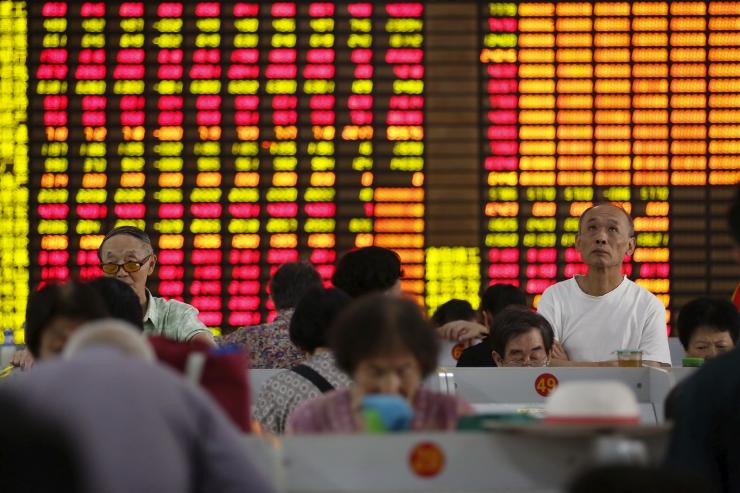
x=126, y=254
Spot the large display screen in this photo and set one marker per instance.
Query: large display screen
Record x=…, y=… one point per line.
x=629, y=102
x=242, y=135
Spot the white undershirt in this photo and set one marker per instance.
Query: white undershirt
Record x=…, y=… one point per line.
x=591, y=328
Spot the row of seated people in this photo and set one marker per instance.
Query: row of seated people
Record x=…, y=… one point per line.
x=591, y=316
x=706, y=328
x=382, y=343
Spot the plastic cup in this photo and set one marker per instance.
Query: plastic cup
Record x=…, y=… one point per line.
x=629, y=358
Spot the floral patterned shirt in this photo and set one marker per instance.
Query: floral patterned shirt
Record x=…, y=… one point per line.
x=268, y=344
x=287, y=390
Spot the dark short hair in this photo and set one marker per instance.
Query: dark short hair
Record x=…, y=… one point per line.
x=515, y=321
x=630, y=221
x=314, y=314
x=733, y=216
x=712, y=313
x=376, y=324
x=291, y=281
x=671, y=405
x=72, y=299
x=616, y=478
x=33, y=441
x=498, y=296
x=120, y=300
x=367, y=270
x=452, y=310
x=137, y=233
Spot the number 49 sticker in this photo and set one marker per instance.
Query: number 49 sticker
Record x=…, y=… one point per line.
x=545, y=383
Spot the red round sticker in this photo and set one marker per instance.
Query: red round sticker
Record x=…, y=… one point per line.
x=457, y=350
x=427, y=459
x=545, y=383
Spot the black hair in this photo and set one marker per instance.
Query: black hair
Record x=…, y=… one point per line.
x=376, y=324
x=712, y=313
x=733, y=216
x=637, y=479
x=38, y=454
x=314, y=314
x=515, y=321
x=291, y=281
x=451, y=311
x=120, y=300
x=73, y=300
x=630, y=221
x=671, y=405
x=367, y=270
x=137, y=233
x=498, y=296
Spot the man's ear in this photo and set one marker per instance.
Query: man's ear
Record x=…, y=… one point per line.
x=577, y=243
x=152, y=264
x=632, y=245
x=497, y=358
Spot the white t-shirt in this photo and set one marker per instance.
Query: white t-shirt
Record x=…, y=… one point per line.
x=591, y=328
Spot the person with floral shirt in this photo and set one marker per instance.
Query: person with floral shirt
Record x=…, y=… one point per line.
x=319, y=374
x=269, y=344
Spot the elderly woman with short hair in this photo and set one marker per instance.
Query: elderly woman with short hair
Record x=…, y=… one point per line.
x=387, y=347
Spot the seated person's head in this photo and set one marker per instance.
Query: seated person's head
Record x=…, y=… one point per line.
x=368, y=270
x=55, y=311
x=708, y=327
x=112, y=333
x=453, y=310
x=40, y=453
x=120, y=300
x=290, y=282
x=624, y=478
x=521, y=338
x=385, y=344
x=497, y=297
x=606, y=233
x=314, y=314
x=126, y=253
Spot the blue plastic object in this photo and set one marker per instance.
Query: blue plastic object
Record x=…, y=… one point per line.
x=386, y=412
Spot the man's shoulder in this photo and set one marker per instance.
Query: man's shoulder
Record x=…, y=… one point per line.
x=561, y=288
x=172, y=306
x=166, y=312
x=640, y=294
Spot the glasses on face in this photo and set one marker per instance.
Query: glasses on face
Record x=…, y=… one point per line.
x=532, y=363
x=130, y=266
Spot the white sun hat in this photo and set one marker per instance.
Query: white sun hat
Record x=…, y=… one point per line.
x=594, y=402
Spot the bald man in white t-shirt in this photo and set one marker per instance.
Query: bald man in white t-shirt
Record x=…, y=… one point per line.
x=601, y=312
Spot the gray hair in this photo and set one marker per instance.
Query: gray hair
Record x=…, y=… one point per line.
x=113, y=333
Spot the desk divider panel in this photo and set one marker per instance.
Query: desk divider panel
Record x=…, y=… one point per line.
x=465, y=462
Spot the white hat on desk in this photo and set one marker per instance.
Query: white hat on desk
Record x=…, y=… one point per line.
x=595, y=402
